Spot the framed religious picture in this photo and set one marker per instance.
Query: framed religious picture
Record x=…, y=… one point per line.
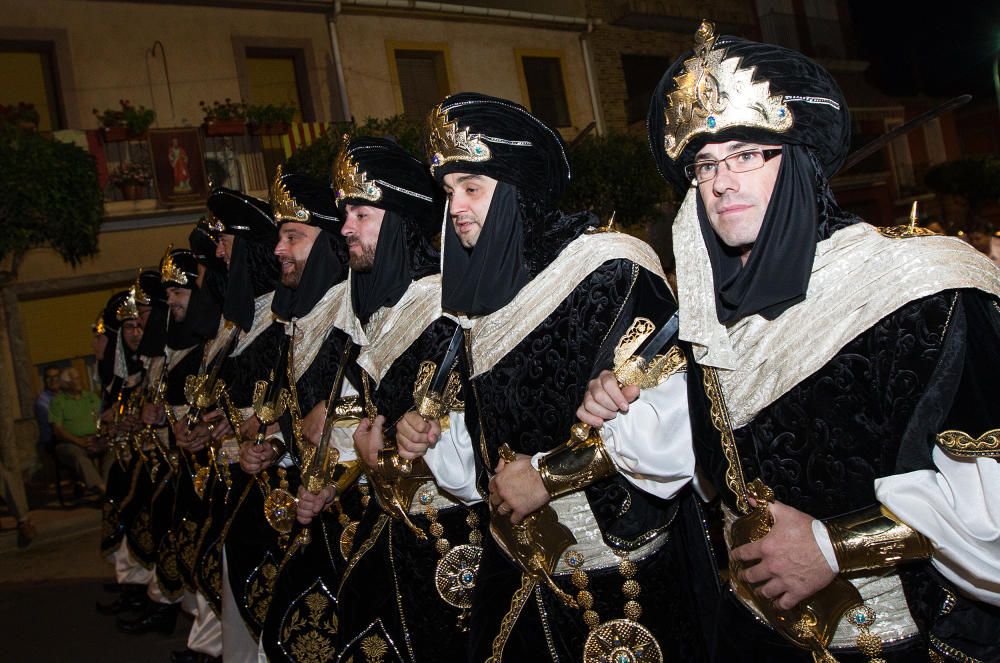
x=178, y=166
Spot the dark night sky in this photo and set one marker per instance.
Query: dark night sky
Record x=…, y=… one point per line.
x=943, y=49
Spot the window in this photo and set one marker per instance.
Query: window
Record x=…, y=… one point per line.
x=28, y=74
x=420, y=75
x=642, y=74
x=936, y=152
x=544, y=89
x=277, y=76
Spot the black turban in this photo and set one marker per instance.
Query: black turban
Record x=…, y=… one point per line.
x=523, y=150
x=820, y=120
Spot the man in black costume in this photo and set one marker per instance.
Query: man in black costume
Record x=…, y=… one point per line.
x=121, y=372
x=582, y=563
x=390, y=598
x=195, y=282
x=245, y=227
x=296, y=606
x=840, y=380
x=153, y=492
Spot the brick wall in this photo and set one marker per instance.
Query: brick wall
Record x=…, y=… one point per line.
x=609, y=42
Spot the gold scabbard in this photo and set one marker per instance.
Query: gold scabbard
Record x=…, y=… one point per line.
x=812, y=623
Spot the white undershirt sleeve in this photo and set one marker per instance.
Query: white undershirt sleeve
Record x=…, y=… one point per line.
x=957, y=507
x=453, y=462
x=651, y=443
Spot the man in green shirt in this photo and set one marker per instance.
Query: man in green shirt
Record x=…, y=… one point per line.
x=73, y=414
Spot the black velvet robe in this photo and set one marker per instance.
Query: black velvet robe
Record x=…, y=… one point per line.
x=873, y=410
x=254, y=550
x=117, y=490
x=529, y=400
x=226, y=494
x=388, y=590
x=126, y=509
x=300, y=602
x=166, y=497
x=177, y=553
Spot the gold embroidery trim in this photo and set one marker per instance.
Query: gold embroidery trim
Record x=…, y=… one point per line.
x=720, y=420
x=517, y=603
x=363, y=549
x=306, y=633
x=963, y=445
x=948, y=650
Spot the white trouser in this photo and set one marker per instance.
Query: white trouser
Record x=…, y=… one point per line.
x=128, y=570
x=237, y=642
x=154, y=592
x=206, y=631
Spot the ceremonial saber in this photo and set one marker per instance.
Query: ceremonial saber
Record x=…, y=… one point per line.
x=874, y=146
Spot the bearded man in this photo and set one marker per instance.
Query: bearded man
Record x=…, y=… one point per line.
x=413, y=532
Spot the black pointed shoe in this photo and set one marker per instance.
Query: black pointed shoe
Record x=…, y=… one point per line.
x=158, y=617
x=126, y=602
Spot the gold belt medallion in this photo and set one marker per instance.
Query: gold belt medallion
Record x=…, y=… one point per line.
x=621, y=641
x=455, y=575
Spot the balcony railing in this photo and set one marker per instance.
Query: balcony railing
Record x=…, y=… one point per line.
x=240, y=160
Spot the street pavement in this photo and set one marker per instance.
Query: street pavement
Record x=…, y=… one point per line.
x=48, y=593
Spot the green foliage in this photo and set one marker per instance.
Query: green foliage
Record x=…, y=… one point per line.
x=271, y=114
x=137, y=119
x=17, y=116
x=224, y=110
x=616, y=174
x=49, y=196
x=316, y=159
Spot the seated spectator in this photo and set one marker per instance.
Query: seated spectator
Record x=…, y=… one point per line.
x=73, y=414
x=50, y=389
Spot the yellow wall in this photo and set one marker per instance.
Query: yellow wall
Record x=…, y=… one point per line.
x=127, y=249
x=481, y=59
x=59, y=327
x=109, y=40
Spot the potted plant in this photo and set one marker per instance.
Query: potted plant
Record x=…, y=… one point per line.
x=270, y=120
x=225, y=118
x=132, y=178
x=22, y=116
x=128, y=123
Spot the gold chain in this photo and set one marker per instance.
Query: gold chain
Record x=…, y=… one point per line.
x=630, y=587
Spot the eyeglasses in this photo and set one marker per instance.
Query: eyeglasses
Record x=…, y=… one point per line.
x=705, y=170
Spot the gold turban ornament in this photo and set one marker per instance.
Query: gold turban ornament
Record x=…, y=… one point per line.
x=714, y=93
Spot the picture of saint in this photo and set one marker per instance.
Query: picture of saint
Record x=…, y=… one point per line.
x=178, y=166
x=179, y=162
